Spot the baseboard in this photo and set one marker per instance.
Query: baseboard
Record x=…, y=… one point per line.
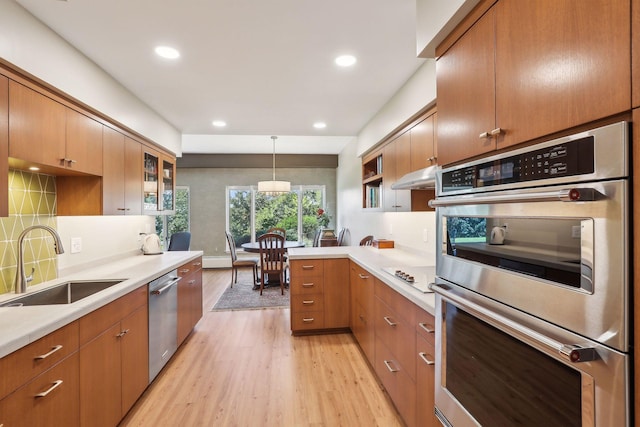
x=216, y=262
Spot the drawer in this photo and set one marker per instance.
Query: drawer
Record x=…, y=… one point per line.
x=307, y=321
x=60, y=406
x=396, y=302
x=306, y=285
x=307, y=302
x=190, y=267
x=426, y=325
x=396, y=334
x=26, y=363
x=401, y=388
x=307, y=268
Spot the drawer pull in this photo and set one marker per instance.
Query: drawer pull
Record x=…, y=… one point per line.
x=363, y=276
x=389, y=321
x=388, y=365
x=308, y=285
x=123, y=333
x=197, y=264
x=308, y=319
x=308, y=302
x=427, y=327
x=308, y=267
x=191, y=282
x=53, y=350
x=55, y=385
x=424, y=357
x=184, y=270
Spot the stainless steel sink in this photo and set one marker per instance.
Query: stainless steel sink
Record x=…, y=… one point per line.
x=64, y=293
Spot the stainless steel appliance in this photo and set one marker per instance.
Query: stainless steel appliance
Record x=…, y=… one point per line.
x=163, y=321
x=535, y=330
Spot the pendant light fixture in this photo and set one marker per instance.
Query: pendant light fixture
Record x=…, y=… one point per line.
x=274, y=187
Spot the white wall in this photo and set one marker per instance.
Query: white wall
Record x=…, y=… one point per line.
x=30, y=45
x=418, y=92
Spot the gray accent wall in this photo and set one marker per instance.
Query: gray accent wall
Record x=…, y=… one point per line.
x=208, y=197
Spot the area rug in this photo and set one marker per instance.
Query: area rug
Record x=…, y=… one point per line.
x=243, y=297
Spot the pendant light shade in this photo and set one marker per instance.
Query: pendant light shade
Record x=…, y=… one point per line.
x=274, y=187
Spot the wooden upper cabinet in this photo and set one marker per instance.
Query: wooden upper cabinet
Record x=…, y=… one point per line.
x=4, y=146
x=122, y=177
x=423, y=150
x=83, y=143
x=526, y=70
x=560, y=65
x=635, y=53
x=465, y=81
x=395, y=160
x=37, y=127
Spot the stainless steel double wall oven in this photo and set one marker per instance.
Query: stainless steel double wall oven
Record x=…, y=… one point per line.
x=532, y=287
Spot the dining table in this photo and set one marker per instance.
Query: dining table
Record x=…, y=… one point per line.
x=272, y=280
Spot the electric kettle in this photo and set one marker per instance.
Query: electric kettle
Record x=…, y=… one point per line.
x=497, y=236
x=151, y=245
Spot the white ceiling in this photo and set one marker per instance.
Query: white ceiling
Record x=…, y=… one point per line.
x=263, y=66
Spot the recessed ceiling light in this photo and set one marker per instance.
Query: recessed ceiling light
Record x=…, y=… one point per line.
x=346, y=60
x=34, y=168
x=319, y=125
x=167, y=52
x=219, y=123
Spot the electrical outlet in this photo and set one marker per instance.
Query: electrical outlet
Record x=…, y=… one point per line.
x=76, y=245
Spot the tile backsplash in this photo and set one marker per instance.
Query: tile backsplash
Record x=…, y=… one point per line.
x=32, y=201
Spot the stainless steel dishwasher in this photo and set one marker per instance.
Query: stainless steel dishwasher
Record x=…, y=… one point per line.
x=163, y=321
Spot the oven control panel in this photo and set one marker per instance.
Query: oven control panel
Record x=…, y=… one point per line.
x=571, y=158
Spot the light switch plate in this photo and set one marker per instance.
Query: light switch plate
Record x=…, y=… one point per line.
x=76, y=245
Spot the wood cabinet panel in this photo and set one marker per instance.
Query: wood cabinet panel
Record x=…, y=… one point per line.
x=396, y=162
x=113, y=179
x=35, y=358
x=362, y=297
x=425, y=383
x=423, y=144
x=307, y=268
x=336, y=293
x=554, y=70
x=132, y=176
x=466, y=93
x=83, y=143
x=135, y=356
x=305, y=303
x=189, y=297
x=37, y=128
x=307, y=320
x=59, y=407
x=635, y=53
x=100, y=380
x=4, y=146
x=396, y=334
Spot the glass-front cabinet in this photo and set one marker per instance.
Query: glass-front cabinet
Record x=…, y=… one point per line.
x=159, y=183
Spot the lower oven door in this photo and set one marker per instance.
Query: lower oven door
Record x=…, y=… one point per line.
x=497, y=366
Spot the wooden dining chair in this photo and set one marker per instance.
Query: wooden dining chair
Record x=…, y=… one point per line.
x=240, y=263
x=341, y=234
x=366, y=241
x=278, y=230
x=272, y=259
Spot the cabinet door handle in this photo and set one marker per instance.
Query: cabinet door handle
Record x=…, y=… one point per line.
x=387, y=363
x=495, y=132
x=308, y=319
x=432, y=159
x=308, y=285
x=427, y=327
x=308, y=302
x=55, y=385
x=191, y=282
x=484, y=135
x=123, y=333
x=428, y=360
x=44, y=356
x=308, y=267
x=389, y=321
x=362, y=276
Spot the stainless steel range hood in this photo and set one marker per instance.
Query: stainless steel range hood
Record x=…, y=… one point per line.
x=422, y=179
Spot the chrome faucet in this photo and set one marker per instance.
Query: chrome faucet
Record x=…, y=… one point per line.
x=21, y=278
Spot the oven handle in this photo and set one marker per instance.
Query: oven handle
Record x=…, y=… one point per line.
x=570, y=195
x=571, y=352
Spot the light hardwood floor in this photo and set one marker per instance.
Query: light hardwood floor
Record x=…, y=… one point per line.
x=243, y=368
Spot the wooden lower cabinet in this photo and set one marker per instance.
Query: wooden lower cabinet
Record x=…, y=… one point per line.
x=319, y=294
x=425, y=383
x=50, y=399
x=397, y=382
x=362, y=284
x=114, y=366
x=189, y=297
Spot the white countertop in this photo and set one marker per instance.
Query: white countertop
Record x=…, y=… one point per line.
x=20, y=326
x=374, y=260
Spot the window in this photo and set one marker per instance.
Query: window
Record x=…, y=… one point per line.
x=166, y=225
x=250, y=213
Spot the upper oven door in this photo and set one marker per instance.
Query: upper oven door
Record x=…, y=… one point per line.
x=559, y=253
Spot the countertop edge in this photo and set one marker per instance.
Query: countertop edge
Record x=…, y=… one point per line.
x=20, y=326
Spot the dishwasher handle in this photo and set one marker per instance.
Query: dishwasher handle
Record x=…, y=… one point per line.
x=166, y=287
